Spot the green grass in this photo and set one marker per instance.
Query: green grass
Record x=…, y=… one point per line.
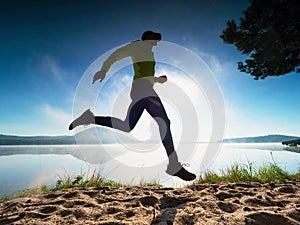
x=236, y=173
x=80, y=181
x=247, y=173
x=84, y=181
x=96, y=180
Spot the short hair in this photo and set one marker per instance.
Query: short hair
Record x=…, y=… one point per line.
x=150, y=35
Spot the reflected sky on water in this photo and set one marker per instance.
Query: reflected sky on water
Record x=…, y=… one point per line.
x=23, y=167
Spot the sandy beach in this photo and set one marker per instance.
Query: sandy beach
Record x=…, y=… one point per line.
x=214, y=204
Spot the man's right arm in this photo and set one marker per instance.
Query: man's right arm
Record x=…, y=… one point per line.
x=117, y=55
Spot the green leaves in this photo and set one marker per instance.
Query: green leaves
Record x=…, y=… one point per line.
x=270, y=32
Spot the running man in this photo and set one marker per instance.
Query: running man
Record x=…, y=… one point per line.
x=143, y=97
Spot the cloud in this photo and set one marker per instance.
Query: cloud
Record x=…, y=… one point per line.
x=213, y=62
x=218, y=67
x=55, y=115
x=50, y=66
x=184, y=87
x=116, y=86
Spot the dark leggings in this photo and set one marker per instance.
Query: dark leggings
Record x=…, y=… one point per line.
x=155, y=108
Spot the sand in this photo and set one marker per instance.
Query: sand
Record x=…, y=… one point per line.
x=214, y=204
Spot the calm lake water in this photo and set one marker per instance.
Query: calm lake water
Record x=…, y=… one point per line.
x=23, y=167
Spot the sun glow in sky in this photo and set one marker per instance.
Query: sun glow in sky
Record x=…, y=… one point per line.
x=46, y=46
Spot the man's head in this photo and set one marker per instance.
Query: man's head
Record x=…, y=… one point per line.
x=151, y=36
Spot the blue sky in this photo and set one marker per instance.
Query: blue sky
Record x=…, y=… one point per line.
x=46, y=46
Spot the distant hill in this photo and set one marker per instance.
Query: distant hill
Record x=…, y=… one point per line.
x=261, y=139
x=106, y=136
x=89, y=136
x=36, y=140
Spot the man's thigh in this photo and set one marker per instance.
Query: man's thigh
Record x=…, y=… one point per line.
x=155, y=108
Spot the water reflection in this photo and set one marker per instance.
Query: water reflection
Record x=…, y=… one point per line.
x=24, y=167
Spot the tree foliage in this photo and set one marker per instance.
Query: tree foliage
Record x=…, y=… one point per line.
x=269, y=32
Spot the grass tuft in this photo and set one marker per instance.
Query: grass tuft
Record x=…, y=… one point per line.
x=96, y=180
x=247, y=173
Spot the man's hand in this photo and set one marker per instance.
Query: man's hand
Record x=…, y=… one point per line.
x=161, y=79
x=100, y=75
